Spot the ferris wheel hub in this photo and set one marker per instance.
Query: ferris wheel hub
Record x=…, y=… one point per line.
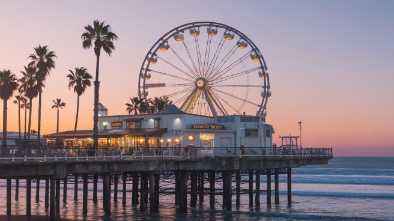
x=201, y=83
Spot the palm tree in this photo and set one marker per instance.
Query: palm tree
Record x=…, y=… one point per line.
x=30, y=89
x=8, y=84
x=26, y=106
x=18, y=99
x=43, y=59
x=101, y=36
x=58, y=104
x=80, y=80
x=134, y=106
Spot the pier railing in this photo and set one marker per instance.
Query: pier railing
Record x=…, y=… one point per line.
x=61, y=153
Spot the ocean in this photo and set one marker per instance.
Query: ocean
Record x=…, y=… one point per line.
x=348, y=188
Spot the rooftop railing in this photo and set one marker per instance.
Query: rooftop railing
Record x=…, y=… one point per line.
x=88, y=153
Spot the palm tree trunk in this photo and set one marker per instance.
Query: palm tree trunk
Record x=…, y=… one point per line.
x=76, y=117
x=19, y=120
x=24, y=134
x=4, y=123
x=29, y=129
x=96, y=101
x=57, y=121
x=39, y=119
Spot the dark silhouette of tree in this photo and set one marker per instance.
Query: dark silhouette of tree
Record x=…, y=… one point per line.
x=58, y=104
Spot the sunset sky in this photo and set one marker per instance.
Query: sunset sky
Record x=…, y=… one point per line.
x=331, y=62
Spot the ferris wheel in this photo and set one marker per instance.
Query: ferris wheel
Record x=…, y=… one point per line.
x=207, y=68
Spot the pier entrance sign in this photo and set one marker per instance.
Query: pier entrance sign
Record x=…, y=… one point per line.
x=207, y=68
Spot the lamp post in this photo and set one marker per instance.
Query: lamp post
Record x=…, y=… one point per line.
x=299, y=124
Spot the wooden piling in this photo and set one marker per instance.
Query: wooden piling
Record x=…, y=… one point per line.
x=8, y=196
x=276, y=186
x=28, y=197
x=46, y=194
x=228, y=174
x=116, y=181
x=151, y=192
x=289, y=186
x=212, y=188
x=157, y=189
x=95, y=180
x=183, y=191
x=201, y=187
x=124, y=178
x=37, y=190
x=57, y=196
x=75, y=187
x=134, y=197
x=193, y=188
x=85, y=195
x=142, y=193
x=250, y=188
x=269, y=187
x=52, y=207
x=107, y=194
x=237, y=187
x=257, y=198
x=65, y=189
x=16, y=189
x=177, y=188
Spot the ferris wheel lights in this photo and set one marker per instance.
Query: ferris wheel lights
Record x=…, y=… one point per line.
x=147, y=76
x=262, y=74
x=212, y=31
x=254, y=56
x=228, y=35
x=242, y=44
x=178, y=36
x=164, y=46
x=194, y=32
x=153, y=59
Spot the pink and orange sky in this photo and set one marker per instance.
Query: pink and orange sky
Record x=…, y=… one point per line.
x=331, y=62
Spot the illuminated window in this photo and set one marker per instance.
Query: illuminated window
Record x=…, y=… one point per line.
x=133, y=124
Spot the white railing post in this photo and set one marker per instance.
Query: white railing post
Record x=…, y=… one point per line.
x=65, y=157
x=104, y=156
x=76, y=157
x=45, y=157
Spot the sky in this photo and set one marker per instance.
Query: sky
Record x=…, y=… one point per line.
x=331, y=63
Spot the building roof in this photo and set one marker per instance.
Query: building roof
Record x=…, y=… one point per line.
x=109, y=133
x=15, y=135
x=170, y=109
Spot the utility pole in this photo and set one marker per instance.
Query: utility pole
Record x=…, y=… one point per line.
x=299, y=124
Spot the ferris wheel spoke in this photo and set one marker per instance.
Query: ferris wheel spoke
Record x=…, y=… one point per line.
x=190, y=101
x=224, y=60
x=223, y=71
x=233, y=96
x=236, y=85
x=174, y=66
x=216, y=55
x=207, y=51
x=184, y=63
x=198, y=55
x=221, y=99
x=183, y=93
x=191, y=59
x=217, y=80
x=173, y=76
x=215, y=100
x=210, y=102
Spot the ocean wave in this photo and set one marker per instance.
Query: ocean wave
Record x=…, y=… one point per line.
x=344, y=194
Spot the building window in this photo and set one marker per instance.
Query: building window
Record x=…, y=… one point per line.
x=133, y=124
x=251, y=132
x=268, y=133
x=156, y=123
x=250, y=119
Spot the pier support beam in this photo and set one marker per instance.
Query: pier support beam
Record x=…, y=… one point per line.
x=257, y=199
x=276, y=186
x=46, y=194
x=16, y=189
x=237, y=187
x=37, y=190
x=142, y=193
x=65, y=189
x=193, y=188
x=289, y=186
x=95, y=180
x=250, y=188
x=183, y=192
x=134, y=196
x=75, y=187
x=201, y=188
x=52, y=207
x=57, y=196
x=107, y=194
x=157, y=189
x=269, y=187
x=177, y=187
x=8, y=196
x=212, y=188
x=152, y=192
x=124, y=178
x=227, y=195
x=28, y=197
x=116, y=181
x=85, y=195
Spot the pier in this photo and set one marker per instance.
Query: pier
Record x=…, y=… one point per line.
x=194, y=172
